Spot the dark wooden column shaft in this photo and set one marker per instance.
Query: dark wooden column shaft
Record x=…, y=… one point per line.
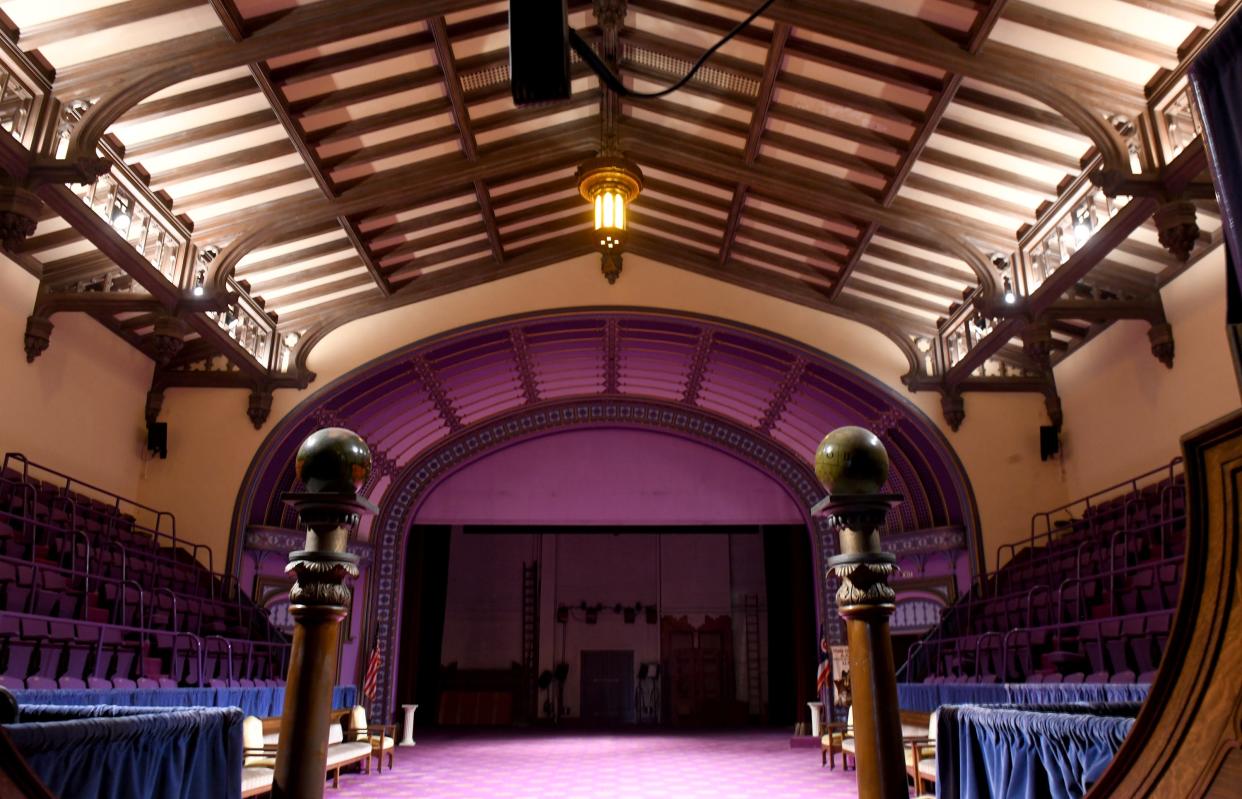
x=866, y=602
x=318, y=602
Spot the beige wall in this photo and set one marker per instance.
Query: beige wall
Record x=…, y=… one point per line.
x=211, y=442
x=1124, y=410
x=79, y=407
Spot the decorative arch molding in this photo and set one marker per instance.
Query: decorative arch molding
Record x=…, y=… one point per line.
x=434, y=406
x=390, y=532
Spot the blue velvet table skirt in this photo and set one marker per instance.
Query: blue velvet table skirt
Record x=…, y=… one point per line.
x=132, y=752
x=252, y=701
x=926, y=697
x=1026, y=752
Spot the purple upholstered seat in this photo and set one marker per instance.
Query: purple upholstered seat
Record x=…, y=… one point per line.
x=40, y=683
x=1035, y=677
x=1097, y=678
x=168, y=682
x=98, y=684
x=124, y=683
x=1074, y=679
x=70, y=682
x=1052, y=678
x=1122, y=677
x=12, y=683
x=147, y=683
x=1146, y=678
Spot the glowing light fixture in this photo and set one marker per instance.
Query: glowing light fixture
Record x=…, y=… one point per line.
x=1082, y=229
x=610, y=183
x=1010, y=296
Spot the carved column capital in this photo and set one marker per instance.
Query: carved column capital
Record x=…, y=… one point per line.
x=953, y=407
x=38, y=336
x=20, y=209
x=1176, y=226
x=168, y=338
x=862, y=566
x=259, y=406
x=610, y=265
x=1160, y=334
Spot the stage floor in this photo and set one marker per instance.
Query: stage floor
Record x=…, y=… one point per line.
x=640, y=765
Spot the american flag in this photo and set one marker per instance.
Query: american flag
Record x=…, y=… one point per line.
x=373, y=666
x=825, y=664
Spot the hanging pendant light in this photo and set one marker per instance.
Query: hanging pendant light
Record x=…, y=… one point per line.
x=610, y=183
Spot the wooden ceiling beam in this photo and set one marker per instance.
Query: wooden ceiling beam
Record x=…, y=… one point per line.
x=421, y=262
x=960, y=193
x=1192, y=11
x=190, y=137
x=444, y=57
x=80, y=23
x=385, y=149
x=320, y=292
x=222, y=163
x=293, y=30
x=335, y=98
x=263, y=287
x=945, y=294
x=754, y=134
x=239, y=189
x=1069, y=26
x=192, y=99
x=557, y=206
x=405, y=249
x=925, y=265
x=404, y=114
x=982, y=100
x=293, y=257
x=989, y=139
x=406, y=227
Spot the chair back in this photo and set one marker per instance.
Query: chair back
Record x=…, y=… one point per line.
x=931, y=725
x=358, y=722
x=252, y=738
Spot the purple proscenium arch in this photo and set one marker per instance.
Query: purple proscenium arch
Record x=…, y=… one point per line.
x=433, y=407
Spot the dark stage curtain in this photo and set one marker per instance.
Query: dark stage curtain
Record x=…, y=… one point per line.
x=1217, y=79
x=1027, y=752
x=135, y=753
x=926, y=697
x=268, y=701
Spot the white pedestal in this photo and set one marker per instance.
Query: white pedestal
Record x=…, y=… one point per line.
x=817, y=714
x=407, y=737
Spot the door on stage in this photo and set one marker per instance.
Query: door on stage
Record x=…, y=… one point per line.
x=607, y=686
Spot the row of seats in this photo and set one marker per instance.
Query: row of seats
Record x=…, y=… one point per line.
x=96, y=590
x=62, y=653
x=1090, y=599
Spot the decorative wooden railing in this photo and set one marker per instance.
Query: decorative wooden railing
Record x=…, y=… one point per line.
x=246, y=322
x=23, y=96
x=1176, y=119
x=1066, y=227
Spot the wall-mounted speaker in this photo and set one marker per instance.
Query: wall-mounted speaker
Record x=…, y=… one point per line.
x=157, y=438
x=539, y=51
x=1049, y=441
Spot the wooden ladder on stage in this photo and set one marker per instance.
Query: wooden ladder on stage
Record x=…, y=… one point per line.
x=754, y=676
x=530, y=638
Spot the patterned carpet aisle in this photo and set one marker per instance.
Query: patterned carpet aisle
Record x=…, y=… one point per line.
x=745, y=765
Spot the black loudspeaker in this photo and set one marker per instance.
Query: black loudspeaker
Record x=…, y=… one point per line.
x=538, y=51
x=1049, y=441
x=157, y=438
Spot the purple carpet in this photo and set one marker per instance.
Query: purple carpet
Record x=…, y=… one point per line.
x=738, y=765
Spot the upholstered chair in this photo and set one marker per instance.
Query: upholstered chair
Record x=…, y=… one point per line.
x=921, y=759
x=381, y=736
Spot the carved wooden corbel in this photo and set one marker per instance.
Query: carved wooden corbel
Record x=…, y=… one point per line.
x=260, y=405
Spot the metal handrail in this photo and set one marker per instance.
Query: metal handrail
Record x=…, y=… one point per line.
x=229, y=645
x=1132, y=483
x=173, y=598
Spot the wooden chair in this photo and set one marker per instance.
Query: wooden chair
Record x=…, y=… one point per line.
x=835, y=736
x=382, y=737
x=921, y=759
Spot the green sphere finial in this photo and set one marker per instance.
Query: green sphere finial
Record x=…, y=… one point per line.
x=851, y=460
x=333, y=461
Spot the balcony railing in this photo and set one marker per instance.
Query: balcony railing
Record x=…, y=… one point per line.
x=23, y=91
x=1177, y=119
x=1065, y=229
x=250, y=326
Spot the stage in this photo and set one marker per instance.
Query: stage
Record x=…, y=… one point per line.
x=585, y=765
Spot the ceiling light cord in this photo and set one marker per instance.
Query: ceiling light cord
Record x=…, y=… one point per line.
x=583, y=49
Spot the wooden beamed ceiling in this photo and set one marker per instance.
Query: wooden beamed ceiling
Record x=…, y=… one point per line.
x=859, y=155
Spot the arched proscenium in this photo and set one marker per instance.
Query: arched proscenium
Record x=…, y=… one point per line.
x=426, y=413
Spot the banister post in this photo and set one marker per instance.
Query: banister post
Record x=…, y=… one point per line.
x=332, y=464
x=853, y=465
